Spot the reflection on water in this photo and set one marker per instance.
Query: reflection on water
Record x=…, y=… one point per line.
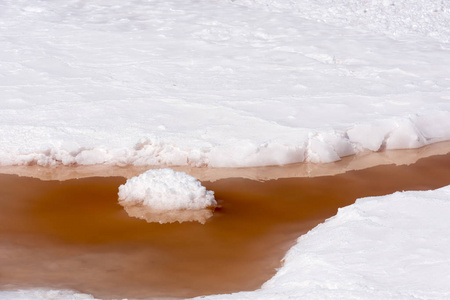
x=150, y=215
x=74, y=234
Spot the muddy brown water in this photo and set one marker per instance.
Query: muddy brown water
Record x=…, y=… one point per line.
x=74, y=235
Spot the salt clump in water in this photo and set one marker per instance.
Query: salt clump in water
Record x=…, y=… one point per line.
x=164, y=195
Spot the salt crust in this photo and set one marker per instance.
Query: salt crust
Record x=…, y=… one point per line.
x=166, y=190
x=215, y=83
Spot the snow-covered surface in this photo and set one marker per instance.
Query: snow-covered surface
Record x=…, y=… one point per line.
x=389, y=247
x=43, y=294
x=220, y=83
x=165, y=189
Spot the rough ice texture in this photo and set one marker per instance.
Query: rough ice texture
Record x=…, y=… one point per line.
x=220, y=83
x=389, y=247
x=165, y=189
x=394, y=18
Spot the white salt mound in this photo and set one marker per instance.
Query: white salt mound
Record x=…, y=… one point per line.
x=165, y=189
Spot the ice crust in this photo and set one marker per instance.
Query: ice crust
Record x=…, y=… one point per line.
x=166, y=190
x=389, y=247
x=220, y=83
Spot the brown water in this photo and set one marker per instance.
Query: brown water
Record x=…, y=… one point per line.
x=74, y=235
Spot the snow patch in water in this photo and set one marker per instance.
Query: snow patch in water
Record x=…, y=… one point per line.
x=165, y=190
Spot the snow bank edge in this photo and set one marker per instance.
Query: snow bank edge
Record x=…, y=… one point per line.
x=316, y=147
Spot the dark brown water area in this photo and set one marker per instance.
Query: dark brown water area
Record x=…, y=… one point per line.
x=73, y=234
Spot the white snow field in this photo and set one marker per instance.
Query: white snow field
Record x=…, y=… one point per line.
x=389, y=247
x=225, y=83
x=220, y=83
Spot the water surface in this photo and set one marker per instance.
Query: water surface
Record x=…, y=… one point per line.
x=74, y=235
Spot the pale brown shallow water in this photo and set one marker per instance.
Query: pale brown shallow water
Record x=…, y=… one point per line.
x=74, y=235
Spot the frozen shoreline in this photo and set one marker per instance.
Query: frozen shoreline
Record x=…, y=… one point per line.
x=388, y=247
